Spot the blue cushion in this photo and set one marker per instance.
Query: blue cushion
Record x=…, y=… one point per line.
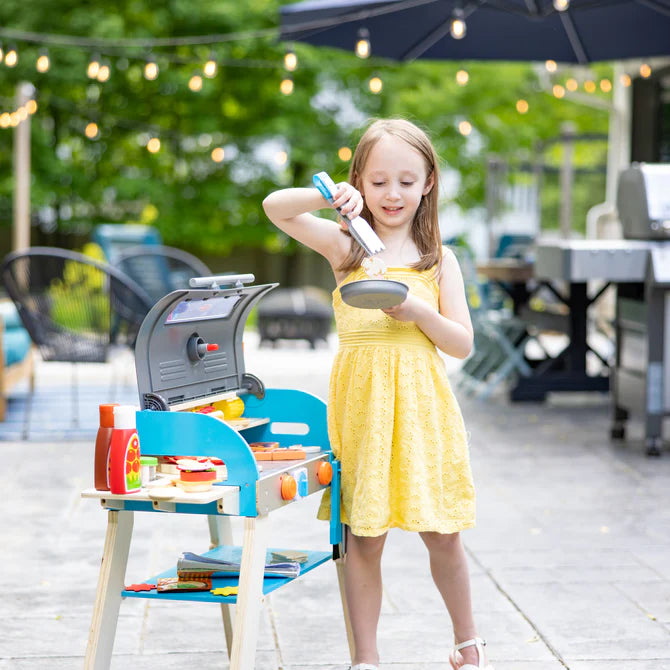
x=15, y=345
x=10, y=316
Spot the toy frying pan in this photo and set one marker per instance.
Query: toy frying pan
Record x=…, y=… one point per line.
x=374, y=293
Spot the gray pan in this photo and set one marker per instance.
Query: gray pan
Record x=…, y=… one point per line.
x=374, y=293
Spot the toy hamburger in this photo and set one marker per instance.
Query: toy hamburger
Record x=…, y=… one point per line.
x=195, y=475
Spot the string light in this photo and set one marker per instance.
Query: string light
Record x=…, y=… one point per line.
x=218, y=155
x=457, y=27
x=12, y=119
x=154, y=145
x=590, y=86
x=31, y=106
x=645, y=70
x=281, y=157
x=462, y=77
x=465, y=128
x=286, y=86
x=551, y=66
x=151, y=69
x=561, y=5
x=344, y=154
x=625, y=80
x=11, y=57
x=290, y=60
x=91, y=130
x=375, y=84
x=210, y=67
x=43, y=62
x=93, y=67
x=558, y=91
x=571, y=84
x=195, y=83
x=104, y=72
x=605, y=85
x=363, y=49
x=521, y=106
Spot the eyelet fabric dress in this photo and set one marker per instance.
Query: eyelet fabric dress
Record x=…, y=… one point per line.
x=394, y=423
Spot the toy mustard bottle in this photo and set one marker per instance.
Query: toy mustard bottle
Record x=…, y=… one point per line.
x=124, y=452
x=102, y=443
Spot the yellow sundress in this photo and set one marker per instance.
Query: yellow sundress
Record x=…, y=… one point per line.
x=394, y=423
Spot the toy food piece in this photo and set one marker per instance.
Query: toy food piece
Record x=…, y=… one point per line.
x=232, y=408
x=374, y=267
x=195, y=475
x=280, y=454
x=263, y=446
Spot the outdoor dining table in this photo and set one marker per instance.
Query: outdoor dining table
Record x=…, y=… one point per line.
x=566, y=371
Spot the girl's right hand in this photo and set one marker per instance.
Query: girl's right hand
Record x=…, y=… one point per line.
x=348, y=200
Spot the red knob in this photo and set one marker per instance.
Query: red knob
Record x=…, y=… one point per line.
x=212, y=347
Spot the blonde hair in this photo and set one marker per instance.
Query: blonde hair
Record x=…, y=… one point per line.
x=425, y=228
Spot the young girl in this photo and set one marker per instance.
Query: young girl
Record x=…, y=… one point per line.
x=392, y=419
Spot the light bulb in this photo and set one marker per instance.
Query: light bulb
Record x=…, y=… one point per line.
x=93, y=68
x=154, y=145
x=195, y=83
x=558, y=91
x=103, y=72
x=363, y=49
x=344, y=154
x=218, y=154
x=5, y=120
x=151, y=70
x=11, y=57
x=286, y=86
x=31, y=106
x=281, y=157
x=91, y=130
x=376, y=85
x=589, y=86
x=605, y=85
x=465, y=128
x=209, y=68
x=290, y=61
x=462, y=77
x=645, y=70
x=457, y=28
x=43, y=63
x=571, y=84
x=561, y=5
x=551, y=65
x=521, y=106
x=625, y=80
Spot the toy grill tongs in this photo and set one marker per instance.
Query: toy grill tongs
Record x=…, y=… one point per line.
x=359, y=228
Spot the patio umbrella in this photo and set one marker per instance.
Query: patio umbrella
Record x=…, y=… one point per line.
x=505, y=30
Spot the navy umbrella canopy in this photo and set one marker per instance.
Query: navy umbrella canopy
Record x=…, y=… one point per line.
x=505, y=30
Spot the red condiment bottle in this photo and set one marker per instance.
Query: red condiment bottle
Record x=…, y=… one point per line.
x=124, y=452
x=102, y=443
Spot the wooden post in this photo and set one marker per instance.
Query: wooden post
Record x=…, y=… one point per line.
x=21, y=231
x=221, y=534
x=567, y=178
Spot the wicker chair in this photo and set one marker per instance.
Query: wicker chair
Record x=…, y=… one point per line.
x=159, y=269
x=73, y=307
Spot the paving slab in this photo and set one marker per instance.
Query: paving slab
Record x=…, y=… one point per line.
x=569, y=559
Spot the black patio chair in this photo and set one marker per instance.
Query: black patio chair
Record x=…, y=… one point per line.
x=160, y=269
x=73, y=307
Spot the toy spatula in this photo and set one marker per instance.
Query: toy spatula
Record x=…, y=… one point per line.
x=359, y=228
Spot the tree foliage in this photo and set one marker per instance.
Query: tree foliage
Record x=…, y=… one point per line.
x=214, y=207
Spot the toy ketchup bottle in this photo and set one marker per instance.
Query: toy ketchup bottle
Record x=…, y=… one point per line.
x=102, y=444
x=124, y=452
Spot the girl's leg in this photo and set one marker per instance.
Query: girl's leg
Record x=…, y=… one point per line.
x=449, y=567
x=363, y=586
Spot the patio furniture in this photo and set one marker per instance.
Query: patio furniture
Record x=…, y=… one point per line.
x=113, y=238
x=16, y=355
x=73, y=307
x=158, y=269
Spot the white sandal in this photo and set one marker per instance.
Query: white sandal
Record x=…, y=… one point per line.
x=476, y=642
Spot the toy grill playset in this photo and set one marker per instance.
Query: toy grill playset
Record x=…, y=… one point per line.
x=224, y=447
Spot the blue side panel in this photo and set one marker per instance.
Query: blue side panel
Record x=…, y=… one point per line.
x=335, y=520
x=193, y=434
x=288, y=406
x=314, y=559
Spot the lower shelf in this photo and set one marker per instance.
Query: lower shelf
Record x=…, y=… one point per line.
x=314, y=559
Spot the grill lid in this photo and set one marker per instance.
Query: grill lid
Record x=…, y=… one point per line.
x=643, y=201
x=189, y=347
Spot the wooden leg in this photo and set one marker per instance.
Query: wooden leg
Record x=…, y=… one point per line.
x=110, y=584
x=250, y=594
x=221, y=533
x=339, y=566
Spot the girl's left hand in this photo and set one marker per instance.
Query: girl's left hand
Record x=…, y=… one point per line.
x=410, y=309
